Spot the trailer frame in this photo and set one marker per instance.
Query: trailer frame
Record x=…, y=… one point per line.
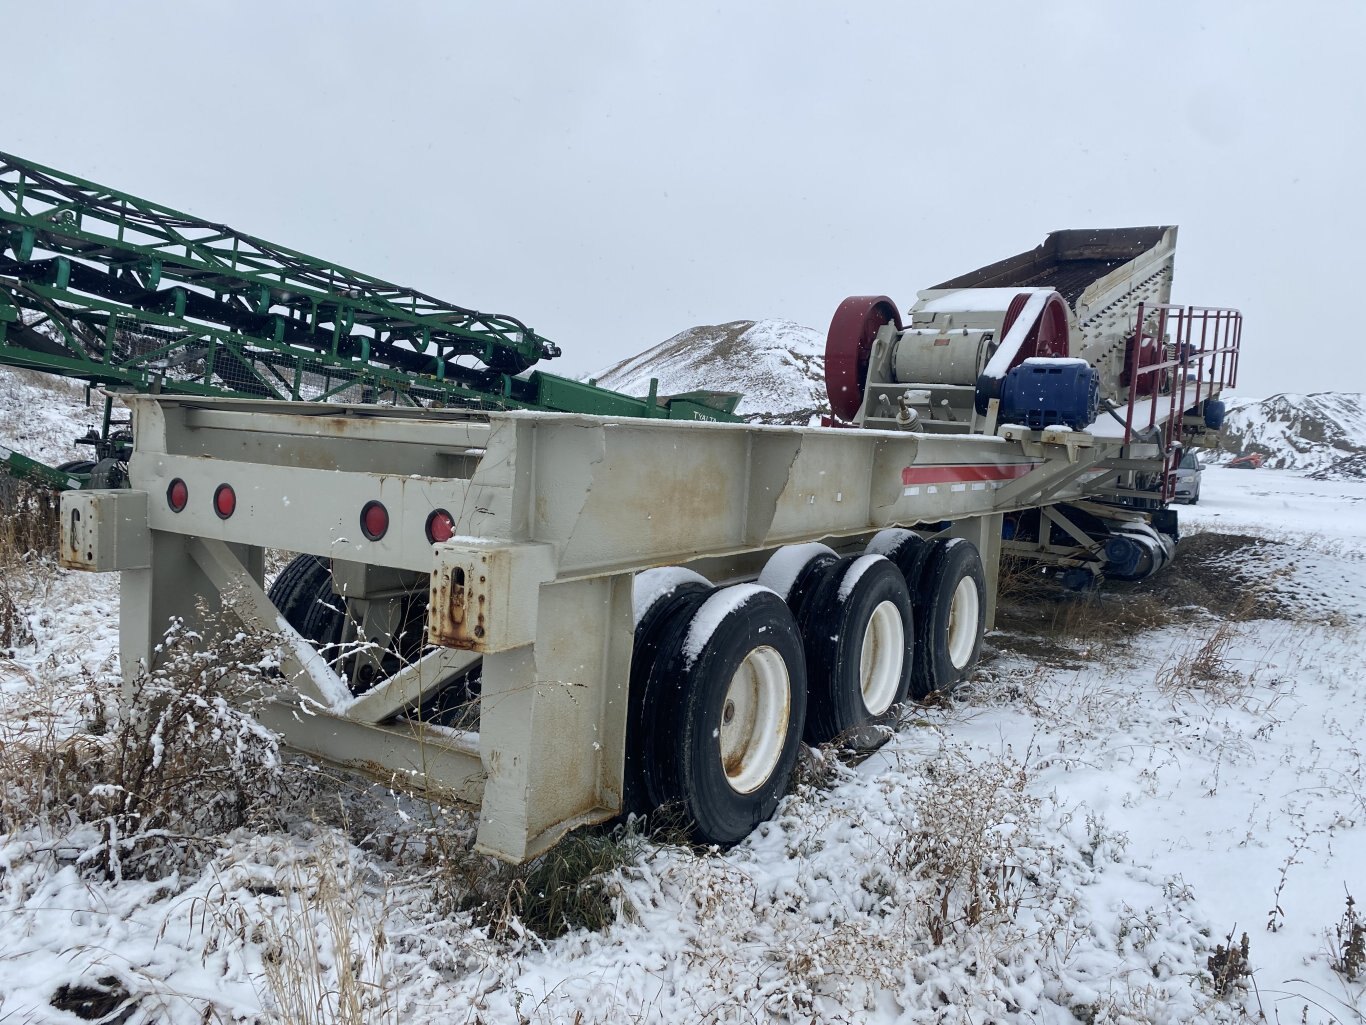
x=553, y=517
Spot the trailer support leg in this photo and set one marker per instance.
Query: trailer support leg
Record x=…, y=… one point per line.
x=553, y=719
x=985, y=533
x=172, y=587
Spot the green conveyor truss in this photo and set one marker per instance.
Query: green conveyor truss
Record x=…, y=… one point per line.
x=118, y=291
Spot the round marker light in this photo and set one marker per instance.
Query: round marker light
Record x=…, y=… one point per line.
x=177, y=495
x=374, y=520
x=224, y=501
x=440, y=526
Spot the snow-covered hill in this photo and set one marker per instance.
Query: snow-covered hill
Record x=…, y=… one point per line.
x=1323, y=433
x=40, y=415
x=778, y=365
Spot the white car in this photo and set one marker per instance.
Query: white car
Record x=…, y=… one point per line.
x=1186, y=479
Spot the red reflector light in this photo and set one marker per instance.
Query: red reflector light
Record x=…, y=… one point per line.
x=177, y=495
x=224, y=501
x=374, y=520
x=440, y=526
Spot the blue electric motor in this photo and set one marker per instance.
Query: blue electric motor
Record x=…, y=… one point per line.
x=1215, y=411
x=1041, y=393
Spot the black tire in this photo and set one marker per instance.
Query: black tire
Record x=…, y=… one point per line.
x=303, y=594
x=751, y=655
x=950, y=616
x=788, y=571
x=76, y=466
x=905, y=549
x=660, y=629
x=858, y=640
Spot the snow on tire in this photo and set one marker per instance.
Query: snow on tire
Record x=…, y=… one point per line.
x=856, y=627
x=665, y=601
x=790, y=567
x=905, y=549
x=950, y=616
x=726, y=727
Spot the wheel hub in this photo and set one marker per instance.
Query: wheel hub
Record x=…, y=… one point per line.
x=882, y=658
x=964, y=613
x=754, y=719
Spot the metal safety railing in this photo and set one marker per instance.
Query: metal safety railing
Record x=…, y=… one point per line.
x=1177, y=358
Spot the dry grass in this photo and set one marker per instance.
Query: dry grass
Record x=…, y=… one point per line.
x=324, y=940
x=148, y=780
x=1228, y=966
x=964, y=840
x=573, y=886
x=1347, y=944
x=1203, y=667
x=29, y=519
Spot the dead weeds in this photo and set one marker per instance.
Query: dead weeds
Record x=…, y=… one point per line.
x=1220, y=575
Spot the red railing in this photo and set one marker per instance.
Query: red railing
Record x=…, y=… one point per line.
x=1198, y=360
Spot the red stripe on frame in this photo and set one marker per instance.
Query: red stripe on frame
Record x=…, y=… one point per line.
x=964, y=472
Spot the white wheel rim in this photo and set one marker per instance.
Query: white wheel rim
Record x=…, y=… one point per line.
x=754, y=719
x=964, y=613
x=882, y=657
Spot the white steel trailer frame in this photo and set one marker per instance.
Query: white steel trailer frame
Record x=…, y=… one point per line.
x=554, y=515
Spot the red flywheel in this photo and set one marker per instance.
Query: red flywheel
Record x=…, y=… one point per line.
x=848, y=346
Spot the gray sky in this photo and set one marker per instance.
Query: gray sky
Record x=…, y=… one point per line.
x=612, y=173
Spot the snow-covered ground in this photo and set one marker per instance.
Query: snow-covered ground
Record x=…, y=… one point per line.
x=1266, y=501
x=41, y=414
x=1068, y=841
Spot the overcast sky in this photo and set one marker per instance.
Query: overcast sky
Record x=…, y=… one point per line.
x=612, y=173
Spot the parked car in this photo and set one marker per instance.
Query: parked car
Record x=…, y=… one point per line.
x=1186, y=479
x=1251, y=461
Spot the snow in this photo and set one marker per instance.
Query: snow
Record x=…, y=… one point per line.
x=855, y=572
x=777, y=364
x=1010, y=345
x=785, y=565
x=1122, y=814
x=713, y=613
x=654, y=584
x=1137, y=822
x=331, y=687
x=1055, y=361
x=1301, y=432
x=1280, y=503
x=884, y=542
x=1108, y=425
x=975, y=300
x=40, y=415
